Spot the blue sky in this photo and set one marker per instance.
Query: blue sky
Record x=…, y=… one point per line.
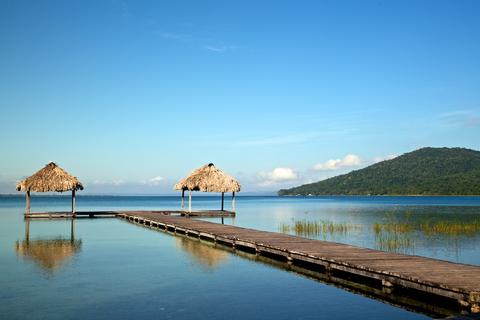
x=130, y=96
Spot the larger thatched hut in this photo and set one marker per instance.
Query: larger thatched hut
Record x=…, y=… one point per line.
x=208, y=179
x=51, y=178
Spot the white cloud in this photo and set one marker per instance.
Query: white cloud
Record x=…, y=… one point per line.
x=277, y=175
x=349, y=160
x=220, y=48
x=155, y=181
x=125, y=9
x=107, y=183
x=199, y=43
x=280, y=140
x=216, y=48
x=289, y=139
x=175, y=36
x=282, y=174
x=465, y=118
x=380, y=159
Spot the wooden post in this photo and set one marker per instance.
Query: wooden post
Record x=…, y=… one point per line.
x=223, y=193
x=73, y=202
x=233, y=201
x=27, y=205
x=27, y=230
x=72, y=232
x=183, y=198
x=189, y=200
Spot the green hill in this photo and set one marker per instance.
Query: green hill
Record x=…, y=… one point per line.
x=427, y=171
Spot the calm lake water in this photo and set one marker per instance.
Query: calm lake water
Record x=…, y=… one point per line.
x=115, y=269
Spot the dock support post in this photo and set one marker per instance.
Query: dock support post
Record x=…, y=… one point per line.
x=73, y=203
x=233, y=201
x=328, y=270
x=72, y=232
x=183, y=198
x=474, y=301
x=223, y=195
x=27, y=205
x=387, y=286
x=475, y=308
x=189, y=200
x=27, y=230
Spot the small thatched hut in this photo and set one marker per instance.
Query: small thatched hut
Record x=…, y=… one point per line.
x=208, y=179
x=51, y=178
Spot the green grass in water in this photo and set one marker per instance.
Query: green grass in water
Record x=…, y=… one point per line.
x=308, y=228
x=394, y=242
x=451, y=228
x=397, y=233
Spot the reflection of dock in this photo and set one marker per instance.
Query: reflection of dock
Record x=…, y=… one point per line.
x=111, y=214
x=432, y=286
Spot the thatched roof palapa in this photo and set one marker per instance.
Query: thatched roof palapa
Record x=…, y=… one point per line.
x=209, y=179
x=50, y=178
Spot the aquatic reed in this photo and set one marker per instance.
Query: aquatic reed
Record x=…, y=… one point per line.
x=394, y=242
x=397, y=233
x=427, y=225
x=309, y=228
x=394, y=233
x=394, y=237
x=451, y=228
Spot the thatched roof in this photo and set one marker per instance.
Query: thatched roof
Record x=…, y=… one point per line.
x=209, y=179
x=48, y=254
x=50, y=178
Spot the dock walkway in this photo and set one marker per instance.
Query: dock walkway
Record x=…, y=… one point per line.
x=437, y=278
x=110, y=214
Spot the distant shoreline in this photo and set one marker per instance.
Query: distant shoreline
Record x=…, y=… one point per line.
x=201, y=194
x=67, y=194
x=383, y=195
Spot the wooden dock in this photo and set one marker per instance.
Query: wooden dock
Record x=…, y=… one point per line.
x=69, y=215
x=110, y=214
x=436, y=282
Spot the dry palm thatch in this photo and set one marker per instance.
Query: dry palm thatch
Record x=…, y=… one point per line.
x=50, y=178
x=48, y=254
x=208, y=179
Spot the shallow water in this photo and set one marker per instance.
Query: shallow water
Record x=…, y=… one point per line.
x=116, y=269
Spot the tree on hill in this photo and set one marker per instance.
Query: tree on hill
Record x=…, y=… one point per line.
x=427, y=171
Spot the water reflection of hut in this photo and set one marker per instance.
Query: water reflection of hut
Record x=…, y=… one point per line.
x=201, y=253
x=51, y=178
x=49, y=254
x=208, y=179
